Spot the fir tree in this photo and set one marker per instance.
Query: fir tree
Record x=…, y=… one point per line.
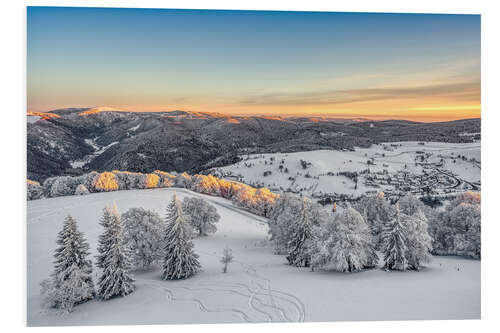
x=394, y=244
x=114, y=258
x=372, y=258
x=299, y=254
x=71, y=281
x=180, y=261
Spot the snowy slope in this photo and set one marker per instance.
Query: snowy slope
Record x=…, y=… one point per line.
x=325, y=164
x=259, y=286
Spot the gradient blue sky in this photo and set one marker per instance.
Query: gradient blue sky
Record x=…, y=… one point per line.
x=414, y=66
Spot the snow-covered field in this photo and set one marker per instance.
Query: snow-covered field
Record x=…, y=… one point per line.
x=320, y=177
x=259, y=286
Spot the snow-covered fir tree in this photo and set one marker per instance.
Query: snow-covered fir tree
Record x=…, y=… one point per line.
x=180, y=260
x=419, y=243
x=226, y=259
x=114, y=258
x=143, y=236
x=71, y=281
x=371, y=246
x=202, y=215
x=394, y=246
x=345, y=243
x=299, y=254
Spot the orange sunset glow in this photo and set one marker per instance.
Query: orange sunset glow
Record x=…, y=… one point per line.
x=377, y=66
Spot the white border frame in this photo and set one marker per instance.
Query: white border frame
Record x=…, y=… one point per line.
x=13, y=84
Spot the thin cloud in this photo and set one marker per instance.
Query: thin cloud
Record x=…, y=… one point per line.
x=464, y=91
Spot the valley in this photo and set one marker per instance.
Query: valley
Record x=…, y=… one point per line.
x=74, y=141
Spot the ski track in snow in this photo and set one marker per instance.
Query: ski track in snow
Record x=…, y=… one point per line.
x=283, y=306
x=279, y=302
x=273, y=294
x=171, y=297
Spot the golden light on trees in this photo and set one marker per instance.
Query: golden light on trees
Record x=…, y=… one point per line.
x=105, y=181
x=152, y=180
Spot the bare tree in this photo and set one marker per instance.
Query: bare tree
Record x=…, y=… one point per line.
x=227, y=258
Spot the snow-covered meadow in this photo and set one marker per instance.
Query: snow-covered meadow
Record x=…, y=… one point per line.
x=284, y=171
x=259, y=286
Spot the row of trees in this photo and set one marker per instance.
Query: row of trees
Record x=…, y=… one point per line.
x=455, y=229
x=138, y=239
x=259, y=201
x=351, y=239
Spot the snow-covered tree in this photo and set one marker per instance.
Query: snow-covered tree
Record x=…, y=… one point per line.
x=63, y=185
x=71, y=281
x=377, y=212
x=149, y=180
x=47, y=185
x=105, y=182
x=127, y=180
x=184, y=180
x=419, y=243
x=410, y=205
x=264, y=201
x=165, y=179
x=81, y=190
x=113, y=258
x=206, y=184
x=344, y=243
x=394, y=246
x=226, y=259
x=299, y=255
x=457, y=229
x=465, y=220
x=180, y=260
x=202, y=215
x=87, y=180
x=66, y=290
x=259, y=201
x=278, y=209
x=34, y=190
x=283, y=220
x=143, y=236
x=473, y=198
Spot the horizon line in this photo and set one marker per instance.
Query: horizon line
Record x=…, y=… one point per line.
x=376, y=117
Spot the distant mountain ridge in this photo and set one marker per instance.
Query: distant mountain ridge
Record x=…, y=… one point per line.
x=195, y=141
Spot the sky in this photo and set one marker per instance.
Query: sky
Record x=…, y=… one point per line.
x=420, y=67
